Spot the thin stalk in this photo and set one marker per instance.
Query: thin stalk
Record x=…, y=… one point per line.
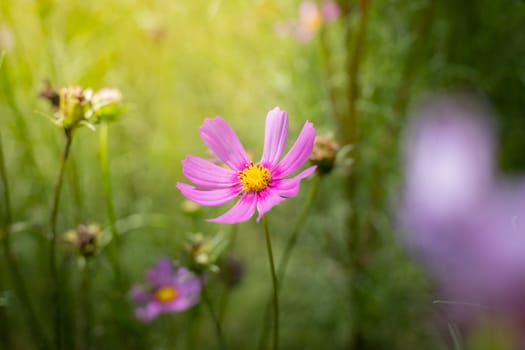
x=12, y=266
x=108, y=194
x=18, y=282
x=5, y=331
x=213, y=314
x=85, y=296
x=274, y=285
x=76, y=192
x=4, y=321
x=290, y=244
x=55, y=277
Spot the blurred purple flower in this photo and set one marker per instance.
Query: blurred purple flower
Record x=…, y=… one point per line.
x=169, y=289
x=261, y=185
x=463, y=222
x=311, y=19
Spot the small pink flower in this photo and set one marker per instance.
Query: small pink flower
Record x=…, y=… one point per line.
x=260, y=185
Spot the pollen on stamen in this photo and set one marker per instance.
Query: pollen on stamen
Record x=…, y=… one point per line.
x=255, y=178
x=166, y=294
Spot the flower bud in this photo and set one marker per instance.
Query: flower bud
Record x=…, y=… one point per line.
x=83, y=239
x=107, y=104
x=232, y=271
x=204, y=252
x=324, y=153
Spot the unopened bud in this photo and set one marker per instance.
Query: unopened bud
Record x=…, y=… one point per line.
x=324, y=153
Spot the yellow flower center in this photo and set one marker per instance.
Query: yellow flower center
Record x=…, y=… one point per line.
x=166, y=294
x=255, y=178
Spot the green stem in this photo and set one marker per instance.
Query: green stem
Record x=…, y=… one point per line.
x=213, y=314
x=274, y=285
x=12, y=266
x=76, y=192
x=87, y=316
x=290, y=244
x=106, y=180
x=5, y=340
x=4, y=236
x=56, y=299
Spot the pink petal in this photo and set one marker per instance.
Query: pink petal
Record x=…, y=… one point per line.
x=224, y=143
x=299, y=152
x=148, y=312
x=206, y=174
x=209, y=197
x=275, y=135
x=182, y=302
x=267, y=199
x=290, y=187
x=240, y=212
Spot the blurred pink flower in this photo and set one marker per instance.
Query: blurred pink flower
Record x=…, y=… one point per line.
x=260, y=185
x=311, y=19
x=330, y=11
x=465, y=224
x=169, y=289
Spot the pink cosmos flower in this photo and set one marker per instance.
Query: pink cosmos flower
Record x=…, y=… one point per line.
x=169, y=289
x=260, y=185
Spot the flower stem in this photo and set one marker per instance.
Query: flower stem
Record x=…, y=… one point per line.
x=213, y=314
x=52, y=256
x=290, y=244
x=274, y=285
x=12, y=265
x=87, y=315
x=106, y=180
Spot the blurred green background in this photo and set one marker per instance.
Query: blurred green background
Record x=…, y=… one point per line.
x=177, y=62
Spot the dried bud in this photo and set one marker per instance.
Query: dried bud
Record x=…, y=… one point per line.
x=84, y=239
x=324, y=153
x=74, y=104
x=51, y=95
x=232, y=271
x=199, y=250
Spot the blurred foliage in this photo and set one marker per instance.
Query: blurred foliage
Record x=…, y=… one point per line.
x=178, y=62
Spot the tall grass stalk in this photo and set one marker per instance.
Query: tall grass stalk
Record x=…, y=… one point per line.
x=85, y=304
x=19, y=285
